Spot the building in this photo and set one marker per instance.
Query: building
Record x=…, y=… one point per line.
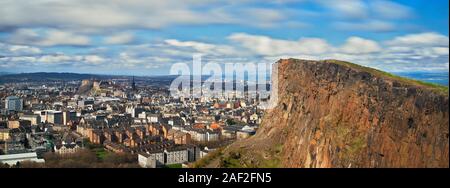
x=69, y=116
x=153, y=118
x=245, y=133
x=134, y=111
x=50, y=116
x=54, y=117
x=13, y=147
x=151, y=160
x=15, y=124
x=33, y=118
x=133, y=85
x=4, y=134
x=68, y=144
x=67, y=148
x=176, y=156
x=12, y=159
x=85, y=102
x=42, y=114
x=169, y=156
x=204, y=135
x=230, y=131
x=13, y=103
x=179, y=137
x=237, y=131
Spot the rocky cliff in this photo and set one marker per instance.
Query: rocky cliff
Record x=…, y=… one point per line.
x=337, y=114
x=86, y=87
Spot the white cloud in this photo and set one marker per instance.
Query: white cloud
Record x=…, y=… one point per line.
x=121, y=38
x=421, y=39
x=93, y=59
x=56, y=59
x=262, y=17
x=365, y=15
x=368, y=25
x=346, y=8
x=390, y=10
x=24, y=49
x=395, y=55
x=419, y=56
x=263, y=45
x=106, y=15
x=440, y=50
x=14, y=50
x=31, y=27
x=357, y=45
x=206, y=48
x=203, y=47
x=50, y=37
x=117, y=14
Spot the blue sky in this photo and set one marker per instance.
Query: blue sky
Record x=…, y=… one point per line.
x=146, y=37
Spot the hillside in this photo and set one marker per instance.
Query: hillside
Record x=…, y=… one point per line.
x=45, y=77
x=337, y=114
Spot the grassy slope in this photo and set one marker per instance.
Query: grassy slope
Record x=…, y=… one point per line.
x=434, y=87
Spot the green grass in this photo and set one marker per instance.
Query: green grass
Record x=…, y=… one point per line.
x=357, y=145
x=232, y=160
x=203, y=162
x=174, y=166
x=100, y=152
x=434, y=87
x=274, y=160
x=230, y=163
x=271, y=163
x=98, y=149
x=240, y=158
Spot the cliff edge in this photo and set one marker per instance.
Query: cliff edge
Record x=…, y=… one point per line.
x=337, y=114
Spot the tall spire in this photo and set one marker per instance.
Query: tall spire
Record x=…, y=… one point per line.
x=133, y=84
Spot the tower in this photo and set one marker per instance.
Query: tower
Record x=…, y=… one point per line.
x=133, y=84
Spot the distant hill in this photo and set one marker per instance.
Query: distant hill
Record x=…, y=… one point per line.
x=6, y=77
x=5, y=73
x=45, y=76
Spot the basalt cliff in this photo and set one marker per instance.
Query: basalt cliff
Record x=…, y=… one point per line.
x=334, y=114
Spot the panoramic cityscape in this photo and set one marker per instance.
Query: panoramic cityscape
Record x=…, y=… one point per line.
x=224, y=84
x=124, y=115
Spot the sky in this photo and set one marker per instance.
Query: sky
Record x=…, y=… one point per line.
x=146, y=37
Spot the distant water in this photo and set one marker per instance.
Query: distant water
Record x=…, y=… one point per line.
x=432, y=77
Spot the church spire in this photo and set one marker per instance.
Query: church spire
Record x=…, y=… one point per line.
x=133, y=84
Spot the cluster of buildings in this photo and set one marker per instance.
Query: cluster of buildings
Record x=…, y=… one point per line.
x=121, y=117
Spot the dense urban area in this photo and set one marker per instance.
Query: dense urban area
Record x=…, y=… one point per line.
x=115, y=122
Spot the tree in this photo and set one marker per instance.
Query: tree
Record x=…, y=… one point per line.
x=4, y=165
x=230, y=122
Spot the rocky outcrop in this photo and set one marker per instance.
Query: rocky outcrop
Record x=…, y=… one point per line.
x=337, y=114
x=86, y=87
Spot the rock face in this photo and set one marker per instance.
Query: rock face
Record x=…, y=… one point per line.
x=337, y=114
x=86, y=87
